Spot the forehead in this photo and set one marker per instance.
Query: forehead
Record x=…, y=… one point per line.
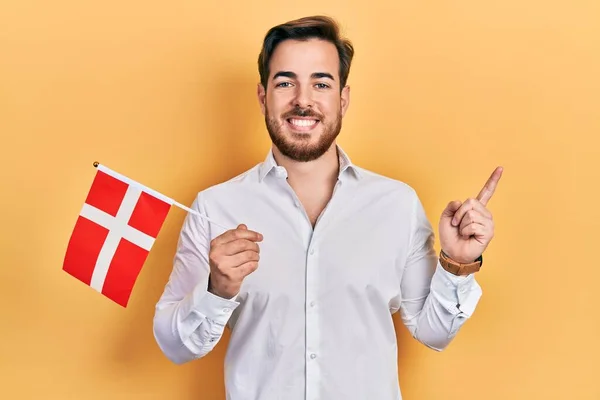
x=305, y=57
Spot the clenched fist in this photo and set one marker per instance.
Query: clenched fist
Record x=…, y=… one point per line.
x=233, y=256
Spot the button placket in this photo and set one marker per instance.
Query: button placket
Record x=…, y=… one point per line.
x=311, y=293
x=312, y=320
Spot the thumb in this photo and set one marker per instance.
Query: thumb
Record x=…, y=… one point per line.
x=451, y=208
x=242, y=226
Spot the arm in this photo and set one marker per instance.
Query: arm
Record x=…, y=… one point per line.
x=435, y=303
x=189, y=321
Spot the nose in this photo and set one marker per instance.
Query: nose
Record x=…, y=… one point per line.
x=303, y=97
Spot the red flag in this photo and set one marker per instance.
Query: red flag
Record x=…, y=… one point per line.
x=114, y=233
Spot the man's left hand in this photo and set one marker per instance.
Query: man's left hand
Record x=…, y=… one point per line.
x=467, y=228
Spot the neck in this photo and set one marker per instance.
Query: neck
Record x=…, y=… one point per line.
x=324, y=169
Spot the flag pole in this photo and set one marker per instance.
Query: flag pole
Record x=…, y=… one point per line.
x=161, y=196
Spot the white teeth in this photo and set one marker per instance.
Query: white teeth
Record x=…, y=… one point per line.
x=303, y=122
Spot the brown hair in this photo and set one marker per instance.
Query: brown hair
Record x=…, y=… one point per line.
x=320, y=27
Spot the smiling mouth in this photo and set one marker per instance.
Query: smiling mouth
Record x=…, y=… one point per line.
x=302, y=124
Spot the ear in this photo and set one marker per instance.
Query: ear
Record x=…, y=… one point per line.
x=262, y=97
x=345, y=97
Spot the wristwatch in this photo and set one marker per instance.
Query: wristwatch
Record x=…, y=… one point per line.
x=458, y=268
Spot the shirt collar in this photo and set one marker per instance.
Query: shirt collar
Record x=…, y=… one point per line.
x=346, y=164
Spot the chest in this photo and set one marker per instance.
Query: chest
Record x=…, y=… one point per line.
x=314, y=203
x=314, y=208
x=348, y=254
x=349, y=249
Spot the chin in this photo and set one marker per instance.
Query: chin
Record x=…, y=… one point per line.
x=303, y=138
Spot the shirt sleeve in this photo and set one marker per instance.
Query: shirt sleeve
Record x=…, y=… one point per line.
x=188, y=320
x=435, y=303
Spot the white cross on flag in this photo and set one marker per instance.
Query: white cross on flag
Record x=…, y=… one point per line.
x=114, y=233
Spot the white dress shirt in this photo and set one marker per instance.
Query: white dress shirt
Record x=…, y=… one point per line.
x=314, y=321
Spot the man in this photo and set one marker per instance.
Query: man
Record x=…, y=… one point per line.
x=324, y=251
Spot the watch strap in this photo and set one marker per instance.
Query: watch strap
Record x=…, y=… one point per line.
x=460, y=269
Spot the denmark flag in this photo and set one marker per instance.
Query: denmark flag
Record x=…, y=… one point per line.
x=114, y=233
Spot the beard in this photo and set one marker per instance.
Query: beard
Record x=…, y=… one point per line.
x=299, y=147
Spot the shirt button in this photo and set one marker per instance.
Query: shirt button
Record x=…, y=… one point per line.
x=296, y=204
x=313, y=356
x=226, y=310
x=312, y=251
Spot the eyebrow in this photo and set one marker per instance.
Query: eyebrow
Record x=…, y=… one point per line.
x=293, y=75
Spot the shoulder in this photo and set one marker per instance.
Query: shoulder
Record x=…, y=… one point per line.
x=397, y=199
x=235, y=186
x=377, y=183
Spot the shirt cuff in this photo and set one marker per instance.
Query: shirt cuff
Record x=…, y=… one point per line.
x=458, y=294
x=204, y=304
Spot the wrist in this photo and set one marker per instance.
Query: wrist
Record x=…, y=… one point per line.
x=459, y=268
x=211, y=287
x=458, y=260
x=224, y=294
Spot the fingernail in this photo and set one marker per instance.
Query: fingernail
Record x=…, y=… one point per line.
x=454, y=222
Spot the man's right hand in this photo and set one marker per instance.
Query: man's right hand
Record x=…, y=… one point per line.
x=233, y=256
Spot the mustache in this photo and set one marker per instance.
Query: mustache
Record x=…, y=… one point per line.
x=302, y=112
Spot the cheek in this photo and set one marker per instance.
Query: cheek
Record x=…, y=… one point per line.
x=330, y=107
x=278, y=103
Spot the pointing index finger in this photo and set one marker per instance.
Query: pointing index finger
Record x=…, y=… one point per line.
x=490, y=186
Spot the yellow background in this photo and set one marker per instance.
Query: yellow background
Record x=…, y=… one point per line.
x=164, y=92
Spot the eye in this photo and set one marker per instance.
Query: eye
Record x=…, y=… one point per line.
x=283, y=84
x=322, y=86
